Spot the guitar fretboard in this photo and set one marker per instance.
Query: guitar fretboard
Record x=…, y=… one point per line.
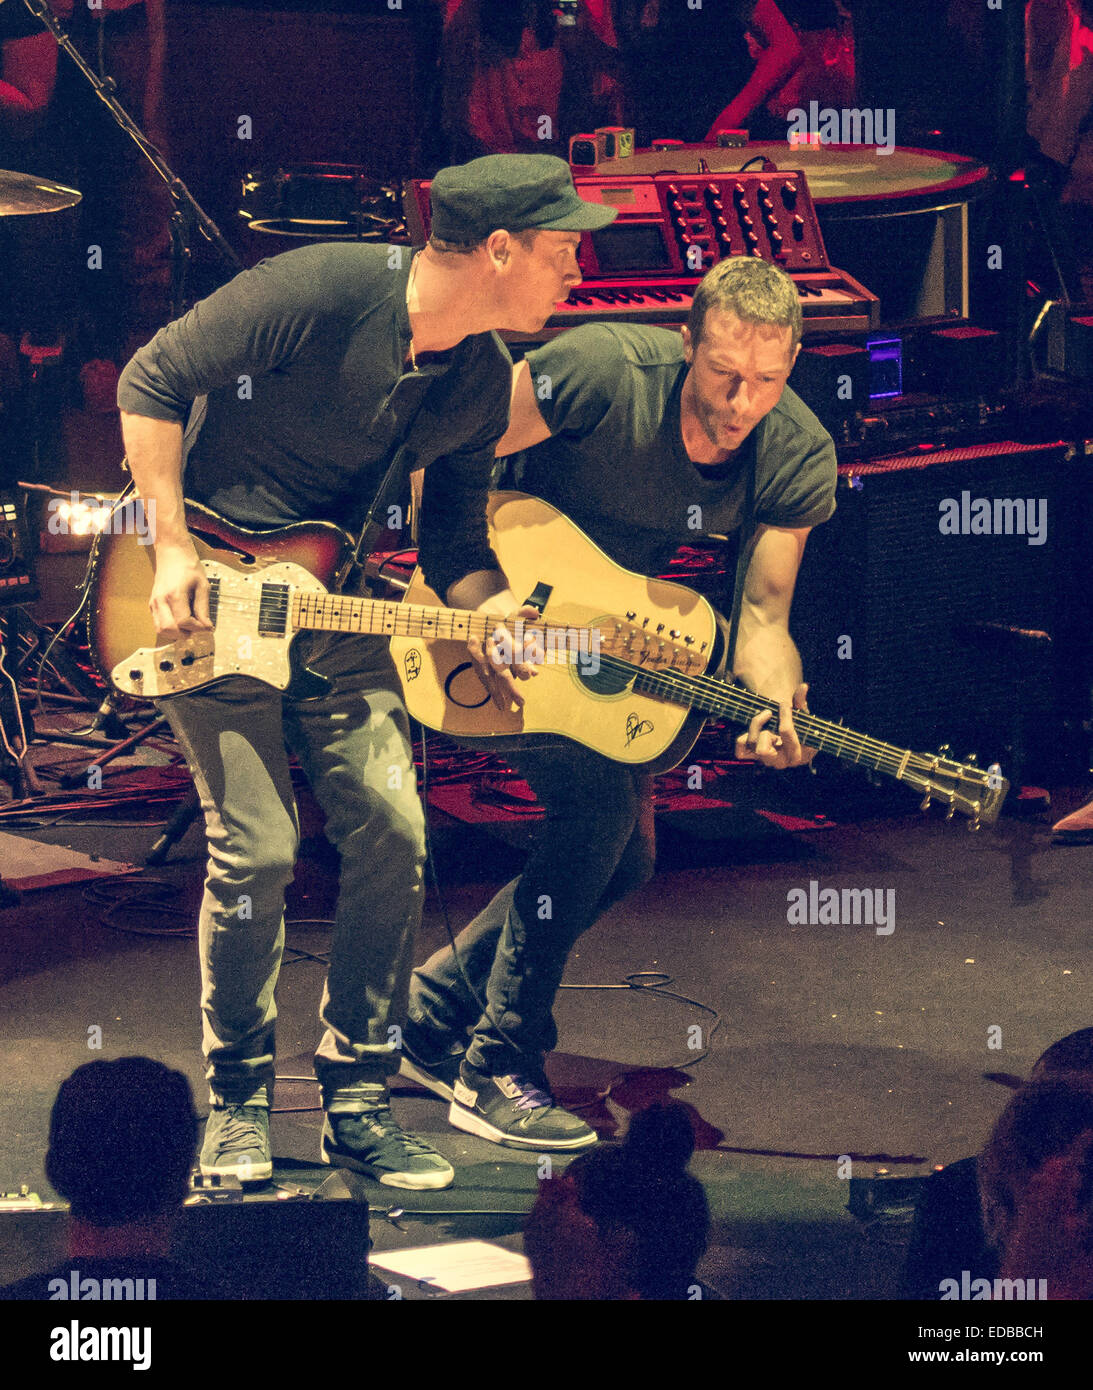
x=741, y=706
x=390, y=618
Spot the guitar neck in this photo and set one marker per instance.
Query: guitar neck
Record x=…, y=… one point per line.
x=327, y=612
x=733, y=702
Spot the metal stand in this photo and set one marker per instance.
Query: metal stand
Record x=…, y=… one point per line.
x=187, y=214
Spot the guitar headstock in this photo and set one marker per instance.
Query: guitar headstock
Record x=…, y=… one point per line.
x=975, y=792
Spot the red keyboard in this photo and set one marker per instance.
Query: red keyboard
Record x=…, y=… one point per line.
x=830, y=302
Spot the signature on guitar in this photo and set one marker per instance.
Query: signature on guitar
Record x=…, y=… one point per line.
x=635, y=727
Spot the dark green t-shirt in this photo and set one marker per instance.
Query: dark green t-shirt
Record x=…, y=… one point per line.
x=616, y=464
x=296, y=367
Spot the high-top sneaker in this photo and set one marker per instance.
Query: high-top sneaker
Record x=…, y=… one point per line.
x=517, y=1111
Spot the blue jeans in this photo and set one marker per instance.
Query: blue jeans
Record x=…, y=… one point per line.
x=354, y=747
x=595, y=844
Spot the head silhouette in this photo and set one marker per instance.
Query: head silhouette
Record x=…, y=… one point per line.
x=626, y=1221
x=122, y=1137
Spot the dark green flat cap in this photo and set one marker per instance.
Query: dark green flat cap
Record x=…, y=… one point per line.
x=519, y=192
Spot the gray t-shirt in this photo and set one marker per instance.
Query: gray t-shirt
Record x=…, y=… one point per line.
x=307, y=402
x=616, y=465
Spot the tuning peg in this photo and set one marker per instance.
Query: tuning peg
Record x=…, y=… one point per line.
x=945, y=750
x=971, y=759
x=949, y=812
x=973, y=824
x=925, y=804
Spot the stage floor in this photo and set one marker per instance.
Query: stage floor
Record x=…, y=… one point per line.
x=833, y=1040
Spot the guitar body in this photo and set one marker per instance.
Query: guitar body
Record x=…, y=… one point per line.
x=307, y=556
x=541, y=550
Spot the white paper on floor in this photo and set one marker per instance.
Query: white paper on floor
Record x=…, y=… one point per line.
x=462, y=1265
x=27, y=864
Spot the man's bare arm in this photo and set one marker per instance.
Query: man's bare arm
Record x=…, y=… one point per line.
x=526, y=424
x=179, y=602
x=767, y=660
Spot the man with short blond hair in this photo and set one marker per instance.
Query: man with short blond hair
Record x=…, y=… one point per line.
x=646, y=438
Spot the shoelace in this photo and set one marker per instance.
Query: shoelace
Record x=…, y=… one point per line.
x=533, y=1098
x=383, y=1123
x=240, y=1132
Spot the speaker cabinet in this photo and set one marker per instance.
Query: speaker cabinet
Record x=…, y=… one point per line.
x=920, y=637
x=262, y=1247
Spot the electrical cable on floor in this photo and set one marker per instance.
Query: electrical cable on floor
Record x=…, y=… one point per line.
x=123, y=895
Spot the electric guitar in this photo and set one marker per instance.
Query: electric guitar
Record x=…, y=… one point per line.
x=265, y=588
x=633, y=666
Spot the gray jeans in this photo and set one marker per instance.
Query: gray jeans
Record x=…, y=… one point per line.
x=354, y=747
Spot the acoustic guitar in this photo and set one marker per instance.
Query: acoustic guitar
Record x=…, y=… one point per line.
x=633, y=668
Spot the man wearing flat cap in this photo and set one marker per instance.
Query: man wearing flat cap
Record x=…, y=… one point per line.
x=288, y=395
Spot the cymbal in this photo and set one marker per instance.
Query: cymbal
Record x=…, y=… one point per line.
x=24, y=194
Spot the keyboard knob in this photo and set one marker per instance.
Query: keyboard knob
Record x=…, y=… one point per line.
x=789, y=194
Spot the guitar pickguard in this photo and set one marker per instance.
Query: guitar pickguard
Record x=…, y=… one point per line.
x=241, y=644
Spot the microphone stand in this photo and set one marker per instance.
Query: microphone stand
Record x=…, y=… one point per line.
x=186, y=212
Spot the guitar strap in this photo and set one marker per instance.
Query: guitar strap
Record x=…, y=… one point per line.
x=741, y=562
x=370, y=527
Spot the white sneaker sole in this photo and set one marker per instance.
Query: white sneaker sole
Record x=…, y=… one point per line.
x=410, y=1182
x=422, y=1078
x=245, y=1172
x=459, y=1117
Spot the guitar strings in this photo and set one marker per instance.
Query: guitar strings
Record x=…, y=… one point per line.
x=720, y=696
